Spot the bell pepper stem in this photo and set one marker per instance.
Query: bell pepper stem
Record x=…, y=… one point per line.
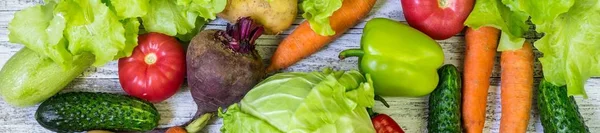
x=351, y=53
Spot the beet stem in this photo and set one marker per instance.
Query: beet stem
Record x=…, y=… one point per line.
x=241, y=37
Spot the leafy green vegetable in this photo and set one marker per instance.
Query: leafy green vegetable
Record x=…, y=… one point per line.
x=40, y=30
x=571, y=36
x=130, y=8
x=495, y=14
x=540, y=11
x=69, y=28
x=236, y=121
x=179, y=18
x=93, y=28
x=132, y=29
x=317, y=12
x=205, y=8
x=168, y=18
x=108, y=29
x=571, y=46
x=328, y=101
x=190, y=35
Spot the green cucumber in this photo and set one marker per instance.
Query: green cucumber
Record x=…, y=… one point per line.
x=29, y=78
x=444, y=102
x=558, y=111
x=84, y=111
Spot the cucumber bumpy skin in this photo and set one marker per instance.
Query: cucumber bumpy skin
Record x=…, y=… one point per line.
x=445, y=102
x=558, y=111
x=84, y=111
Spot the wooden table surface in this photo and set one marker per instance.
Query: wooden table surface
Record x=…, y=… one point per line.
x=410, y=113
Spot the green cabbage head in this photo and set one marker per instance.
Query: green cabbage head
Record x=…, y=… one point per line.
x=321, y=102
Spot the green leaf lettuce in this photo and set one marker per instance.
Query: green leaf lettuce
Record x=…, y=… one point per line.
x=317, y=12
x=495, y=14
x=571, y=46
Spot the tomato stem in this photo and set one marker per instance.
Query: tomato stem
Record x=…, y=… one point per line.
x=444, y=3
x=150, y=59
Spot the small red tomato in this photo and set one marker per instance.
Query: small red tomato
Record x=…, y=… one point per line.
x=439, y=19
x=385, y=124
x=156, y=68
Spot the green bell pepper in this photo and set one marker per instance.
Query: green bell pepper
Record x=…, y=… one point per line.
x=402, y=61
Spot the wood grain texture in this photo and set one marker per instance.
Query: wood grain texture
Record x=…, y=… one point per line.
x=410, y=113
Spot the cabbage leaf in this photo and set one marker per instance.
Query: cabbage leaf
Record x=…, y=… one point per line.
x=327, y=102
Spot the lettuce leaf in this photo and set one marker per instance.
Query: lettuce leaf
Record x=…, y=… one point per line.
x=200, y=22
x=571, y=46
x=132, y=28
x=93, y=28
x=571, y=28
x=74, y=27
x=130, y=8
x=41, y=31
x=328, y=101
x=495, y=14
x=205, y=8
x=108, y=29
x=165, y=16
x=317, y=12
x=541, y=12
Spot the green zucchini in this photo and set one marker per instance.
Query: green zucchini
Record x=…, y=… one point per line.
x=29, y=78
x=84, y=111
x=558, y=111
x=444, y=102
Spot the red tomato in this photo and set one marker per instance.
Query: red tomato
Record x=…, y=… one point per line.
x=440, y=19
x=155, y=70
x=385, y=124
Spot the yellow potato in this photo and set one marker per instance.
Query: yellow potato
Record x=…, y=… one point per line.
x=276, y=16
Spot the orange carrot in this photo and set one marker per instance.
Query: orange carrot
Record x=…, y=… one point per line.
x=304, y=41
x=516, y=89
x=176, y=129
x=481, y=47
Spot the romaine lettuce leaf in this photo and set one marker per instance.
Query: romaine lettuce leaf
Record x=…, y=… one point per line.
x=317, y=12
x=571, y=46
x=495, y=14
x=328, y=101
